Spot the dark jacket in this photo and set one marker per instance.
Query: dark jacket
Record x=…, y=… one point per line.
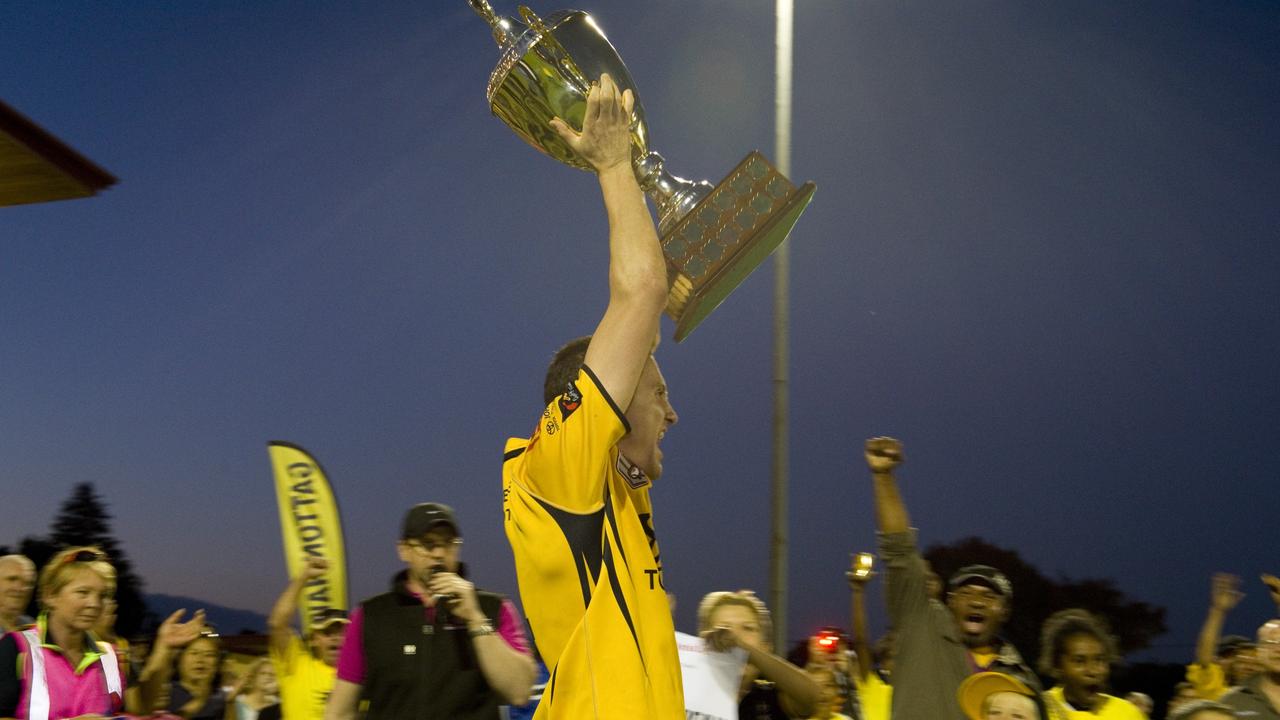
x=416, y=670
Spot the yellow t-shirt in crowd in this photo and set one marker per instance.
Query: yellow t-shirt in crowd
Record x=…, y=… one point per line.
x=578, y=517
x=305, y=681
x=875, y=697
x=1113, y=708
x=1209, y=680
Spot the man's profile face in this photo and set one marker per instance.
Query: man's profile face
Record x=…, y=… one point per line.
x=1269, y=647
x=649, y=415
x=979, y=612
x=17, y=581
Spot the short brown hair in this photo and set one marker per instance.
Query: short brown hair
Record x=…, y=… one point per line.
x=564, y=368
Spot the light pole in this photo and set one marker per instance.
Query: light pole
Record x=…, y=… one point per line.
x=781, y=332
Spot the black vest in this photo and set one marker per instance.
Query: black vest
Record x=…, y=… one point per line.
x=420, y=671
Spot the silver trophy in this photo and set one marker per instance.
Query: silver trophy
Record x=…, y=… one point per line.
x=713, y=236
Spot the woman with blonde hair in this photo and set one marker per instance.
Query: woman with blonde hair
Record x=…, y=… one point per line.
x=257, y=692
x=772, y=688
x=59, y=669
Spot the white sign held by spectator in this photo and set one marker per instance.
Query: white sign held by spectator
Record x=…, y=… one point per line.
x=711, y=679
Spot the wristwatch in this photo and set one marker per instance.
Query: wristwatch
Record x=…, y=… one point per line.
x=483, y=629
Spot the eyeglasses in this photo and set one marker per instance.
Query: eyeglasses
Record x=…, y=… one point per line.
x=430, y=546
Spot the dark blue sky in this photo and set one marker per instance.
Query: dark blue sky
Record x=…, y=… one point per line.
x=1043, y=253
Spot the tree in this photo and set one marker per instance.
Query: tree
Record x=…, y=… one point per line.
x=84, y=520
x=1036, y=597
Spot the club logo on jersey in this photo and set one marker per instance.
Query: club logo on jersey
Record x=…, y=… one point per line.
x=634, y=476
x=570, y=401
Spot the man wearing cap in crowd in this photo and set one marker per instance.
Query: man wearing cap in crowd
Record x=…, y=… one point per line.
x=1259, y=696
x=938, y=645
x=304, y=670
x=435, y=647
x=17, y=581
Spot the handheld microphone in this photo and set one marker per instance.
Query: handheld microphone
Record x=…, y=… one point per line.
x=442, y=600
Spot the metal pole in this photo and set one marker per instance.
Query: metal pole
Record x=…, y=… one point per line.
x=781, y=331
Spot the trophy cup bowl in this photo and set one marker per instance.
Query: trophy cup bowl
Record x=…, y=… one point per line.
x=713, y=236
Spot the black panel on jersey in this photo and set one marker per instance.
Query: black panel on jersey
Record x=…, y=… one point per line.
x=584, y=534
x=622, y=601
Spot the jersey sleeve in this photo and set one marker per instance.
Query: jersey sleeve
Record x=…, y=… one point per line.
x=564, y=459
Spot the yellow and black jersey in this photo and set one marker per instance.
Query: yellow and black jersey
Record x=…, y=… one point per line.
x=578, y=517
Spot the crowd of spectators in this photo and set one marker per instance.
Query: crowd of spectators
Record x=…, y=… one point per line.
x=944, y=656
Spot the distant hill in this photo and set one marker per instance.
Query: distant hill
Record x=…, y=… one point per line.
x=228, y=621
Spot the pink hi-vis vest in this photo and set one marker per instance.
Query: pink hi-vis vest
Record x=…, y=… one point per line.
x=40, y=688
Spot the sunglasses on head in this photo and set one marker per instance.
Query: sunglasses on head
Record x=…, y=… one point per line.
x=85, y=556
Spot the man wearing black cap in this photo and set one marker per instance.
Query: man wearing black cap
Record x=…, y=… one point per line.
x=434, y=647
x=305, y=670
x=938, y=645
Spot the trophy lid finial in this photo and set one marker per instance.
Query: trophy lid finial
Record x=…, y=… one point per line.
x=502, y=27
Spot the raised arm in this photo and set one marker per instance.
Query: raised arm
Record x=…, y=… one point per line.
x=858, y=618
x=883, y=454
x=172, y=635
x=799, y=694
x=625, y=337
x=1224, y=594
x=278, y=632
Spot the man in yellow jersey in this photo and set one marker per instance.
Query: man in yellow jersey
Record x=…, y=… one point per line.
x=938, y=645
x=305, y=670
x=576, y=492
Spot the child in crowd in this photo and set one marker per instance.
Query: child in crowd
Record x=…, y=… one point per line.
x=1077, y=650
x=996, y=696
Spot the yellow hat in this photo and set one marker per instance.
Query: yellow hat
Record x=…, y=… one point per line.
x=978, y=687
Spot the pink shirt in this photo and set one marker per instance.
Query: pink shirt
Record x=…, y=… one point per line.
x=70, y=695
x=351, y=666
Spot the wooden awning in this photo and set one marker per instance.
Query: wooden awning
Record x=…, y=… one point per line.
x=37, y=167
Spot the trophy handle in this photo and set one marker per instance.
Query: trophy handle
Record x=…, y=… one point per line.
x=562, y=58
x=532, y=20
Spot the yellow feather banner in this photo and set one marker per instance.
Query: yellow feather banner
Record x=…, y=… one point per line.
x=311, y=527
